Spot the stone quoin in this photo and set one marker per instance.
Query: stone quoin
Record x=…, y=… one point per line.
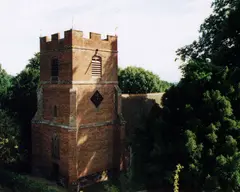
x=78, y=129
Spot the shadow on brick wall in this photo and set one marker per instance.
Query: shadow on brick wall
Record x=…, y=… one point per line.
x=141, y=113
x=136, y=109
x=97, y=138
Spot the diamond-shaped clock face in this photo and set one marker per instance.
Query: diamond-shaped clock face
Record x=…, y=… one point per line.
x=96, y=98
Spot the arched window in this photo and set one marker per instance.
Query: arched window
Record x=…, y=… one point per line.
x=55, y=146
x=54, y=69
x=96, y=66
x=55, y=112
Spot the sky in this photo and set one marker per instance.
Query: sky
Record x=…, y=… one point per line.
x=149, y=31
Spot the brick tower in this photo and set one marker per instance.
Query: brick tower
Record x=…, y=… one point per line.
x=78, y=128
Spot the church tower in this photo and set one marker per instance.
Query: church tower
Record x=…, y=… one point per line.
x=78, y=129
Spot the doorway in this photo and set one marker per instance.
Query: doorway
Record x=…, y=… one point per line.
x=55, y=171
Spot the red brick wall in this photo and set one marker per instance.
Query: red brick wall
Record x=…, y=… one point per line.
x=65, y=67
x=41, y=147
x=59, y=97
x=75, y=54
x=94, y=149
x=86, y=110
x=82, y=68
x=93, y=143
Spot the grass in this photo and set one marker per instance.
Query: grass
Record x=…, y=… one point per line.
x=50, y=184
x=98, y=187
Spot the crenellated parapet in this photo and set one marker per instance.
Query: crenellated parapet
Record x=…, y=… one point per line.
x=74, y=39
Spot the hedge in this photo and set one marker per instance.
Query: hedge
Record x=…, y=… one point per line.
x=21, y=183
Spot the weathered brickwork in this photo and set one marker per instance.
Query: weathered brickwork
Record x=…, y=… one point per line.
x=65, y=64
x=59, y=97
x=82, y=72
x=91, y=138
x=42, y=154
x=86, y=110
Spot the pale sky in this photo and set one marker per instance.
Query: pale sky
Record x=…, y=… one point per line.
x=149, y=31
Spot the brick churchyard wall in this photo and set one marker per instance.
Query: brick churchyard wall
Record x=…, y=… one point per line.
x=136, y=108
x=78, y=129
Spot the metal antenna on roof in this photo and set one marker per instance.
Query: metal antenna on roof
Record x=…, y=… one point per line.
x=117, y=14
x=116, y=31
x=72, y=21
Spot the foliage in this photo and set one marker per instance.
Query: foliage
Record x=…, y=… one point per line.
x=219, y=36
x=200, y=118
x=201, y=124
x=34, y=62
x=138, y=80
x=5, y=83
x=21, y=183
x=22, y=100
x=125, y=184
x=176, y=177
x=8, y=138
x=111, y=188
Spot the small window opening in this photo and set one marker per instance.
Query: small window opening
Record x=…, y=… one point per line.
x=55, y=111
x=55, y=147
x=55, y=171
x=55, y=69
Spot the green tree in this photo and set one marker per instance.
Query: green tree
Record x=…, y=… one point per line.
x=9, y=135
x=34, y=62
x=219, y=36
x=200, y=126
x=9, y=130
x=138, y=80
x=23, y=99
x=5, y=83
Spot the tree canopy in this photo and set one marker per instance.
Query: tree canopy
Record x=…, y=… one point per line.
x=9, y=133
x=22, y=100
x=219, y=36
x=138, y=80
x=200, y=125
x=5, y=83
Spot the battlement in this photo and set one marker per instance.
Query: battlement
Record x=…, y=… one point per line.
x=75, y=39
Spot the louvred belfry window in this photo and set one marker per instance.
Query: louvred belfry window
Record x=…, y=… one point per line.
x=96, y=66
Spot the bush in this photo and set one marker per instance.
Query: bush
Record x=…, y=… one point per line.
x=124, y=183
x=21, y=183
x=8, y=138
x=111, y=188
x=136, y=80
